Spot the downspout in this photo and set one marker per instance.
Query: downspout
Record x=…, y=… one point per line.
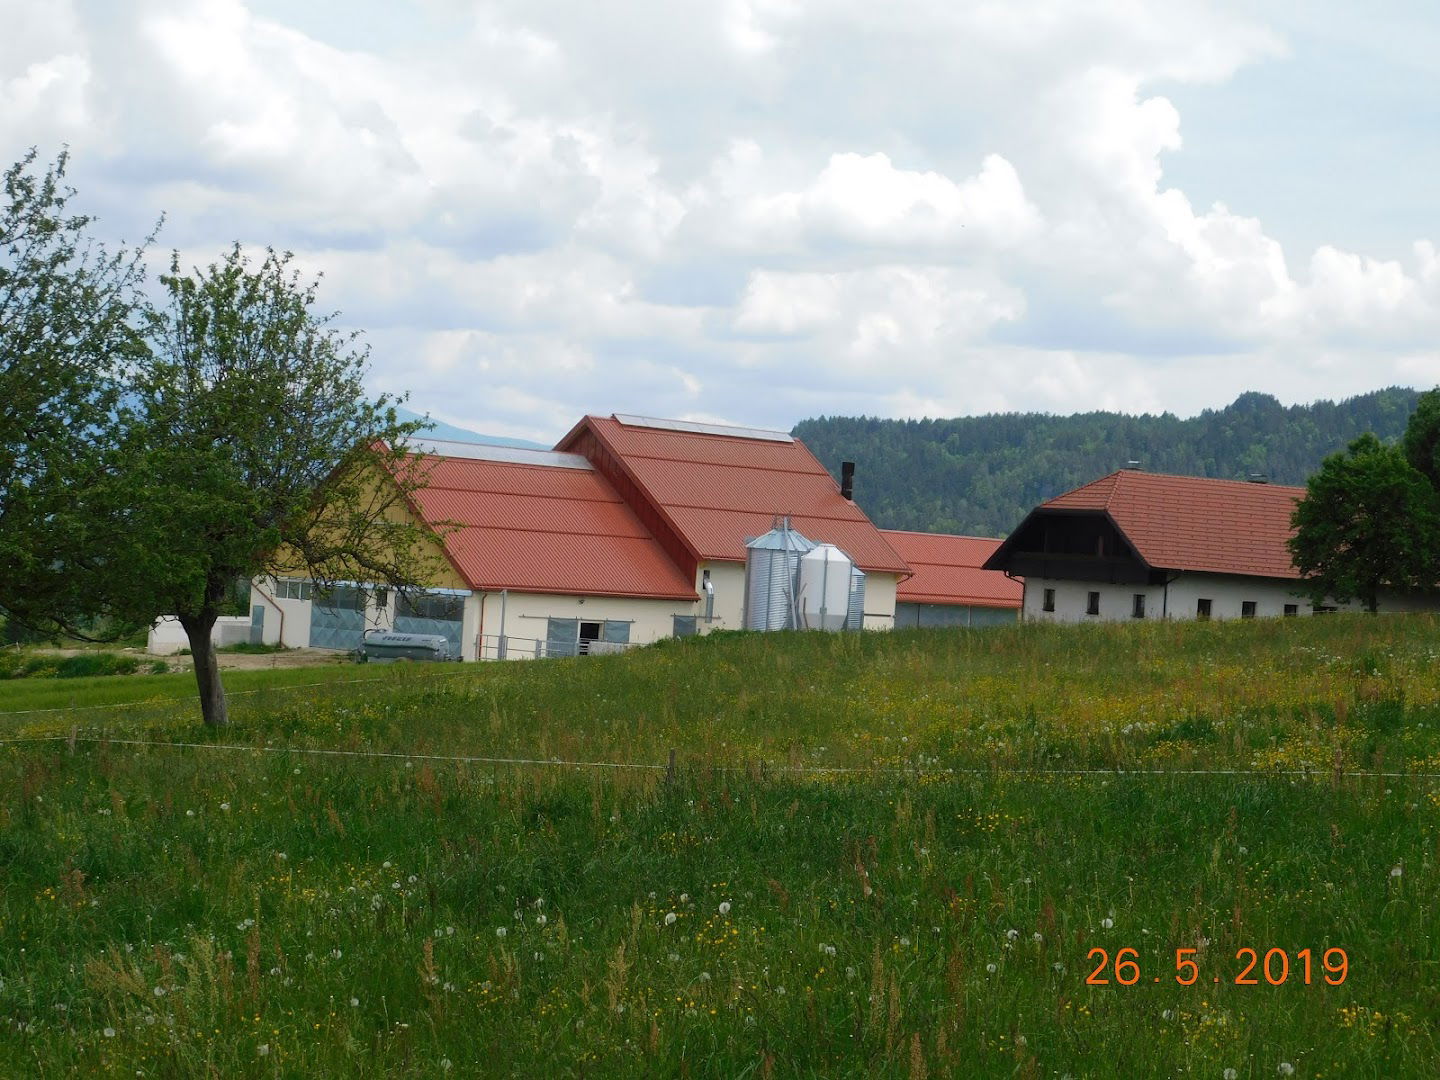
x=1024, y=591
x=270, y=600
x=1165, y=596
x=480, y=633
x=501, y=650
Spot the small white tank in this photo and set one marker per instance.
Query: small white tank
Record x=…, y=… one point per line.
x=824, y=589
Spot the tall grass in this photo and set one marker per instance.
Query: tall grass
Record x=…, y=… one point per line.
x=253, y=912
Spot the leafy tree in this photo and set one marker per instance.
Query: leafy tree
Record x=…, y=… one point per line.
x=1369, y=519
x=70, y=327
x=254, y=444
x=1422, y=437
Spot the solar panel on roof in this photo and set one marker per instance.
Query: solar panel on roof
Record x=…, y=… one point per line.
x=696, y=428
x=513, y=455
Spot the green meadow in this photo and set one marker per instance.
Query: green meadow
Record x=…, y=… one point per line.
x=873, y=855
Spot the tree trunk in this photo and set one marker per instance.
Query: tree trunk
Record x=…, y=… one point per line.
x=207, y=668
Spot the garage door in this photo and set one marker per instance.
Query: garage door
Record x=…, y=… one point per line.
x=337, y=618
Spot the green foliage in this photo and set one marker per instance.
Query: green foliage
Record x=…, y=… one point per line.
x=1422, y=437
x=254, y=435
x=981, y=475
x=21, y=665
x=1369, y=519
x=323, y=915
x=69, y=327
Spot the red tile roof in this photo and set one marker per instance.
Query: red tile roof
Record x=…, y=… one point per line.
x=715, y=490
x=948, y=571
x=545, y=528
x=1195, y=523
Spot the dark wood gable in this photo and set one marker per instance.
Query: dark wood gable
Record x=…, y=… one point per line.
x=1073, y=545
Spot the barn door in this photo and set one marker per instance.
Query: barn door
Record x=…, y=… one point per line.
x=337, y=619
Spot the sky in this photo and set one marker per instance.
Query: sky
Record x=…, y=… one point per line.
x=757, y=211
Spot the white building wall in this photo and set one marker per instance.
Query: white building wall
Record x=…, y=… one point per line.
x=296, y=620
x=526, y=616
x=880, y=600
x=1227, y=594
x=728, y=579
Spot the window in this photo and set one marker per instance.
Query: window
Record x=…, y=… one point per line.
x=1137, y=609
x=1323, y=609
x=1247, y=609
x=293, y=589
x=382, y=598
x=1202, y=608
x=430, y=606
x=1292, y=610
x=1092, y=604
x=1049, y=601
x=684, y=626
x=340, y=598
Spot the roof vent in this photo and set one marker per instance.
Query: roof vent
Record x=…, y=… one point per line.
x=1258, y=478
x=1132, y=464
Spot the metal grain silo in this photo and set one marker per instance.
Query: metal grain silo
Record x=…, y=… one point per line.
x=855, y=615
x=772, y=562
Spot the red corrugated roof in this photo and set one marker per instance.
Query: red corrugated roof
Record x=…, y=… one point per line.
x=1196, y=523
x=716, y=490
x=544, y=528
x=948, y=570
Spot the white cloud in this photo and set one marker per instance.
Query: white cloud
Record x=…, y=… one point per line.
x=755, y=209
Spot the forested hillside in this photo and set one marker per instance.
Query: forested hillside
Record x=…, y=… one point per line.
x=980, y=475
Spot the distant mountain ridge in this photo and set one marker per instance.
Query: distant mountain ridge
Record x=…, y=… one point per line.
x=980, y=475
x=442, y=430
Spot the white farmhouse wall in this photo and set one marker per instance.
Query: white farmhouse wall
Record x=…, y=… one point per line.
x=1227, y=594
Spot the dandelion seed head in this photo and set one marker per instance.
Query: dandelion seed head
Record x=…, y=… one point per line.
x=1107, y=923
x=1231, y=1074
x=724, y=907
x=1395, y=871
x=670, y=918
x=990, y=969
x=1285, y=1069
x=109, y=1033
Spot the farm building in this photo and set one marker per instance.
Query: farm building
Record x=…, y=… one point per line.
x=949, y=585
x=1138, y=545
x=631, y=530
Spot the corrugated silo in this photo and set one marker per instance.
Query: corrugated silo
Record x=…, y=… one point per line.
x=855, y=615
x=772, y=562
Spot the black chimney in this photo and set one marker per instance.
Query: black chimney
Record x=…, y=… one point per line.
x=847, y=480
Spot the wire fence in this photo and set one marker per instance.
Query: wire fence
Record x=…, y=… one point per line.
x=760, y=767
